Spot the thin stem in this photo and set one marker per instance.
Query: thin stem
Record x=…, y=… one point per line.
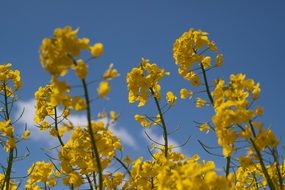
x=264, y=170
x=123, y=164
x=62, y=143
x=228, y=165
x=206, y=84
x=90, y=182
x=95, y=152
x=259, y=156
x=11, y=151
x=275, y=156
x=90, y=131
x=165, y=134
x=56, y=127
x=228, y=158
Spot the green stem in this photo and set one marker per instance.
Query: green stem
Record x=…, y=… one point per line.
x=95, y=152
x=275, y=156
x=228, y=158
x=165, y=133
x=56, y=127
x=228, y=165
x=206, y=84
x=90, y=131
x=123, y=164
x=264, y=170
x=259, y=156
x=62, y=143
x=90, y=182
x=11, y=151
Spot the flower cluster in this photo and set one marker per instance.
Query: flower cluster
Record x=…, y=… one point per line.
x=12, y=183
x=57, y=53
x=176, y=172
x=8, y=75
x=88, y=156
x=188, y=49
x=41, y=172
x=232, y=108
x=76, y=159
x=143, y=81
x=252, y=177
x=104, y=86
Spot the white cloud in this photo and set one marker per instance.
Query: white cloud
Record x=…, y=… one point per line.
x=38, y=135
x=160, y=140
x=125, y=137
x=28, y=119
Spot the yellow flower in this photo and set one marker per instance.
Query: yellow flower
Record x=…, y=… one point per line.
x=245, y=161
x=10, y=144
x=204, y=127
x=193, y=78
x=170, y=98
x=12, y=184
x=56, y=52
x=6, y=75
x=186, y=53
x=259, y=111
x=103, y=89
x=212, y=46
x=256, y=91
x=26, y=134
x=96, y=50
x=200, y=102
x=6, y=128
x=143, y=81
x=142, y=120
x=206, y=62
x=41, y=172
x=219, y=60
x=127, y=160
x=75, y=179
x=110, y=73
x=81, y=69
x=78, y=103
x=114, y=116
x=185, y=93
x=265, y=139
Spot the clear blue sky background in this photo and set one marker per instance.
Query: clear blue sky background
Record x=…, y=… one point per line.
x=250, y=34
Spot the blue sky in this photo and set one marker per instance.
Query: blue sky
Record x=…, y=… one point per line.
x=248, y=33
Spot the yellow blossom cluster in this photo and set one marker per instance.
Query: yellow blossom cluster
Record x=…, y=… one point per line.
x=188, y=49
x=48, y=100
x=7, y=131
x=88, y=156
x=170, y=98
x=8, y=75
x=143, y=81
x=12, y=184
x=251, y=176
x=10, y=81
x=41, y=172
x=144, y=173
x=104, y=87
x=176, y=172
x=147, y=121
x=231, y=104
x=76, y=159
x=57, y=53
x=113, y=180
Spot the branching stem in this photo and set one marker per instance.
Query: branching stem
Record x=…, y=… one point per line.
x=165, y=134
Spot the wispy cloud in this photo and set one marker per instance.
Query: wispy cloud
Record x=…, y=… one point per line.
x=38, y=135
